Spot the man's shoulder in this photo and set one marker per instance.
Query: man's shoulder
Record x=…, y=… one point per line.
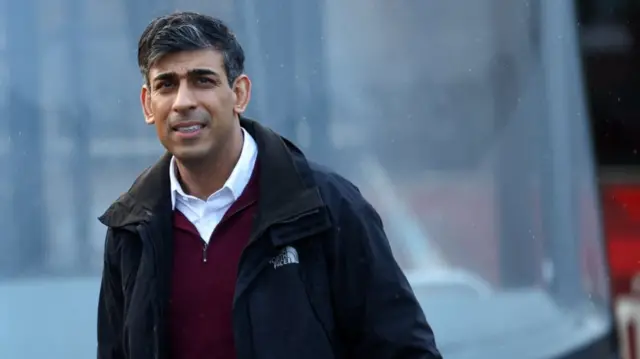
x=360, y=226
x=337, y=192
x=149, y=188
x=125, y=197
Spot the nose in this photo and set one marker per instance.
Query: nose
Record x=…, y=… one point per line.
x=185, y=99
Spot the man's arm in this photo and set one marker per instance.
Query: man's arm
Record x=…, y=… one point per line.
x=377, y=311
x=110, y=305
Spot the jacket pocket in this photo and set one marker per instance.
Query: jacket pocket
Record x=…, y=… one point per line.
x=317, y=289
x=286, y=321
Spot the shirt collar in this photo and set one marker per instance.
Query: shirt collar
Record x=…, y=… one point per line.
x=236, y=182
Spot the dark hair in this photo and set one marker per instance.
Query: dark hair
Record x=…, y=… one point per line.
x=187, y=31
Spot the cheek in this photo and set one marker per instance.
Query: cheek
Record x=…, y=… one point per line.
x=161, y=122
x=160, y=105
x=162, y=132
x=221, y=102
x=164, y=136
x=160, y=116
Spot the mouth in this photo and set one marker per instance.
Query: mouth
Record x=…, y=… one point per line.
x=188, y=129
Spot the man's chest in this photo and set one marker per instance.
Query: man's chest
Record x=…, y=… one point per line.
x=205, y=216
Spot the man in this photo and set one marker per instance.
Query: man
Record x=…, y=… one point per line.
x=233, y=245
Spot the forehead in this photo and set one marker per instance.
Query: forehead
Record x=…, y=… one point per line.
x=185, y=61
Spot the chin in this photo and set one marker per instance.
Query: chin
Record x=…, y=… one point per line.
x=191, y=154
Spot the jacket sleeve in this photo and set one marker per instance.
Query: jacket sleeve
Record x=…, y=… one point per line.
x=110, y=305
x=377, y=311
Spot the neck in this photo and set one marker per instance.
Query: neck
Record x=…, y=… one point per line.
x=204, y=178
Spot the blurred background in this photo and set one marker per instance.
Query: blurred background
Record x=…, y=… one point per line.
x=498, y=139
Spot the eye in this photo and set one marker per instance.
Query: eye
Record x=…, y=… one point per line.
x=204, y=81
x=163, y=85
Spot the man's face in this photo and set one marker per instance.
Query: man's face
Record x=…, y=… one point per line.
x=189, y=100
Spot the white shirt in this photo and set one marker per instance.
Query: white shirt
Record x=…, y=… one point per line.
x=205, y=215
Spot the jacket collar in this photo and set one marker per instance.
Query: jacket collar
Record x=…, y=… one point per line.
x=287, y=188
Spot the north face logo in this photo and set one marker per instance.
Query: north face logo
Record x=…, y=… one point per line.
x=289, y=255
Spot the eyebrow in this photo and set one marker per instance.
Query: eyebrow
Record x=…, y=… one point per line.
x=190, y=73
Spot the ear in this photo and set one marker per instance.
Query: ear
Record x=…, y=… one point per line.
x=242, y=90
x=145, y=101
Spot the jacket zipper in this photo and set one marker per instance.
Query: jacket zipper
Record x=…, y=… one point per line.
x=204, y=251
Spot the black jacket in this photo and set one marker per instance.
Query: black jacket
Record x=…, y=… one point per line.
x=345, y=298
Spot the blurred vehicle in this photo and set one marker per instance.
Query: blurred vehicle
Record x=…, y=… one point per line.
x=610, y=39
x=621, y=211
x=464, y=122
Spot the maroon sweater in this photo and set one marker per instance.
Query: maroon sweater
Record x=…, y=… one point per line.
x=203, y=282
